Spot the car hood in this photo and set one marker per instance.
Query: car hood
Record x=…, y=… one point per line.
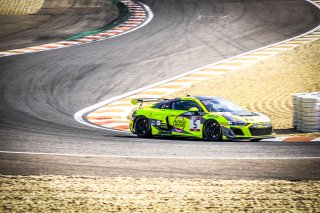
x=248, y=117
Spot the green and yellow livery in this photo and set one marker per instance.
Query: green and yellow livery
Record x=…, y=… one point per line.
x=210, y=118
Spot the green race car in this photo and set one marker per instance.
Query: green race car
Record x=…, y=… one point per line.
x=211, y=118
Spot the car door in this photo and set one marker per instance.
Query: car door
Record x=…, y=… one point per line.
x=182, y=121
x=159, y=118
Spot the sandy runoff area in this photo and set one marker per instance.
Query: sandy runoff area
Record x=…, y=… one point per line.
x=20, y=7
x=267, y=85
x=99, y=194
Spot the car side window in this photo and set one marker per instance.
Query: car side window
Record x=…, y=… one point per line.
x=165, y=106
x=162, y=105
x=184, y=105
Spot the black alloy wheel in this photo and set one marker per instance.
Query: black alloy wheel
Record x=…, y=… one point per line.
x=142, y=127
x=212, y=130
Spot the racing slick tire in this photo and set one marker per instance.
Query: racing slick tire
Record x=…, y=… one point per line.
x=212, y=131
x=142, y=127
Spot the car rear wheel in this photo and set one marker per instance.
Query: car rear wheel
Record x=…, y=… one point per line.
x=212, y=131
x=142, y=127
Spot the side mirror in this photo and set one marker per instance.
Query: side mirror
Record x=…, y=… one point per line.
x=193, y=109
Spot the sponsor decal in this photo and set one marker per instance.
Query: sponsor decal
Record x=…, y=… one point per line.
x=179, y=124
x=195, y=122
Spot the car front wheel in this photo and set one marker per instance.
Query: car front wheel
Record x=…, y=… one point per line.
x=212, y=131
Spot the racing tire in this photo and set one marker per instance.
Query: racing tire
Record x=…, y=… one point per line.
x=142, y=127
x=212, y=131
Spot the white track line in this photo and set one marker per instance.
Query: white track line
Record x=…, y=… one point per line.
x=162, y=157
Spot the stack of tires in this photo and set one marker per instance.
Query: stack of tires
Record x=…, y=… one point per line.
x=306, y=111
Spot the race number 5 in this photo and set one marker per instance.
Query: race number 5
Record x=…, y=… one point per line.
x=195, y=123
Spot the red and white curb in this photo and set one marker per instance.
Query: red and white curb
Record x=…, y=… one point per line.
x=140, y=16
x=113, y=114
x=294, y=139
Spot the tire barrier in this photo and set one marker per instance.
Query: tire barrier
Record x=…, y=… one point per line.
x=306, y=111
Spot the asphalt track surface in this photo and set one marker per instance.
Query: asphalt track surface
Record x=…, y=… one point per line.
x=41, y=92
x=55, y=21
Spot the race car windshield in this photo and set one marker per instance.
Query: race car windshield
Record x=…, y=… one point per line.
x=220, y=105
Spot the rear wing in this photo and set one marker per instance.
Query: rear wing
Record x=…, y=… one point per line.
x=142, y=100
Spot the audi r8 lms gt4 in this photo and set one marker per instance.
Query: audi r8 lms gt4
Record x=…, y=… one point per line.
x=211, y=118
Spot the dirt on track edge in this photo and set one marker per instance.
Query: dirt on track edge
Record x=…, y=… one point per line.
x=18, y=7
x=100, y=194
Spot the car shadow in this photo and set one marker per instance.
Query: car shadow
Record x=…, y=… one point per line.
x=186, y=139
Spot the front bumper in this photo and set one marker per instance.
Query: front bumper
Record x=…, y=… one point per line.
x=247, y=132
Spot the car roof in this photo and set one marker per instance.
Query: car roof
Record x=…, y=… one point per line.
x=201, y=98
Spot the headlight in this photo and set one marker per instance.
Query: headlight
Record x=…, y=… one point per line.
x=235, y=122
